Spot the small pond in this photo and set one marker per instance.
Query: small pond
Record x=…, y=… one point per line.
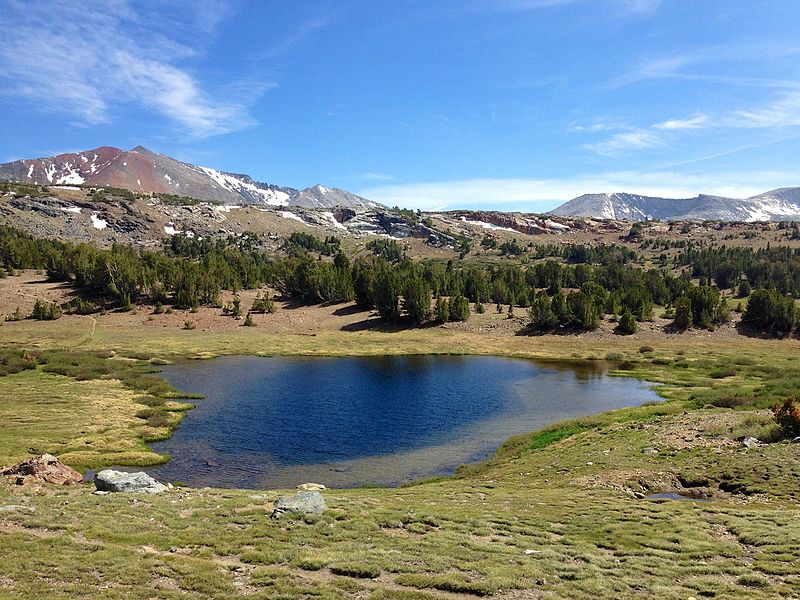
x=346, y=422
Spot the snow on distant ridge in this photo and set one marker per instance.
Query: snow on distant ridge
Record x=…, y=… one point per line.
x=236, y=185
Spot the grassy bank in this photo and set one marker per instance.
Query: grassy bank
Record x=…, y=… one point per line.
x=90, y=409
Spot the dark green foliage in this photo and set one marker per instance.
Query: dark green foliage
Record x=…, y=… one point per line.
x=311, y=243
x=442, y=309
x=248, y=320
x=787, y=415
x=44, y=311
x=771, y=312
x=79, y=306
x=15, y=361
x=511, y=248
x=627, y=323
x=683, y=314
x=584, y=310
x=744, y=289
x=417, y=300
x=541, y=313
x=263, y=305
x=386, y=248
x=459, y=308
x=386, y=292
x=489, y=242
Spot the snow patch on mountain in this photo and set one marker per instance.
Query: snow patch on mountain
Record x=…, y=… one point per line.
x=98, y=223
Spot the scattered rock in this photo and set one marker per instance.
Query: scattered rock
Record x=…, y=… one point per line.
x=529, y=551
x=43, y=468
x=119, y=481
x=650, y=450
x=750, y=442
x=311, y=487
x=796, y=440
x=307, y=503
x=17, y=508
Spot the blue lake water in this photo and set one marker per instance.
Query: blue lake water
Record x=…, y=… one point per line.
x=344, y=422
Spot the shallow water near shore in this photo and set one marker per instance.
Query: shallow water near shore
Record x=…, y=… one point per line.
x=347, y=422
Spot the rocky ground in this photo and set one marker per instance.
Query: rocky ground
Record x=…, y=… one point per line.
x=76, y=214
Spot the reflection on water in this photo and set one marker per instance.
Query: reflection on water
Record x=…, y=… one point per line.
x=277, y=422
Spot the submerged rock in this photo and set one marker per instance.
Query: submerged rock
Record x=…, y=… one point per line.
x=109, y=480
x=43, y=468
x=307, y=503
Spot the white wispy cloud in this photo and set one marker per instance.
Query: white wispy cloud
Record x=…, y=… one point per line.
x=679, y=65
x=695, y=122
x=373, y=176
x=624, y=141
x=540, y=195
x=91, y=63
x=781, y=112
x=777, y=113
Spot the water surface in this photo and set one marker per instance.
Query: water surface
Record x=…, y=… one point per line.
x=343, y=422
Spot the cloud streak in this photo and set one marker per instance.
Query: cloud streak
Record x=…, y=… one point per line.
x=780, y=112
x=540, y=195
x=92, y=63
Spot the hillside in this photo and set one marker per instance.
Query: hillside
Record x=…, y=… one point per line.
x=141, y=170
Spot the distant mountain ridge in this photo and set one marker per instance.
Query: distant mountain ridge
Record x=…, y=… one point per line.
x=782, y=204
x=142, y=170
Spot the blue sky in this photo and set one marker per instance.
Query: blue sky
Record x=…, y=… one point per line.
x=506, y=104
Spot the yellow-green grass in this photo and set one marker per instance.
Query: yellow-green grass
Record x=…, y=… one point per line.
x=110, y=332
x=85, y=423
x=536, y=519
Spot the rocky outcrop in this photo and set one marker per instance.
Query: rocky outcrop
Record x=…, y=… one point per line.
x=311, y=487
x=109, y=480
x=44, y=468
x=307, y=503
x=527, y=224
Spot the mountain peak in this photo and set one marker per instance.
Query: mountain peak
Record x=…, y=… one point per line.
x=142, y=170
x=777, y=205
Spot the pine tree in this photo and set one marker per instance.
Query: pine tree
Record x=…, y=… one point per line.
x=627, y=323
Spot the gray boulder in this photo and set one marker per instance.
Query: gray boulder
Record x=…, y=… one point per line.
x=109, y=480
x=307, y=503
x=750, y=442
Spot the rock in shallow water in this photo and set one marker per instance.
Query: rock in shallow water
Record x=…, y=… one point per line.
x=307, y=503
x=109, y=480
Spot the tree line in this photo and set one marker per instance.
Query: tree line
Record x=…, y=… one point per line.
x=189, y=273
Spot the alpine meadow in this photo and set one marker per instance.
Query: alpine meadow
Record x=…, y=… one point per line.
x=479, y=298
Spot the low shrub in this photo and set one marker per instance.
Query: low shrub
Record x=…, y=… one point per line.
x=787, y=415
